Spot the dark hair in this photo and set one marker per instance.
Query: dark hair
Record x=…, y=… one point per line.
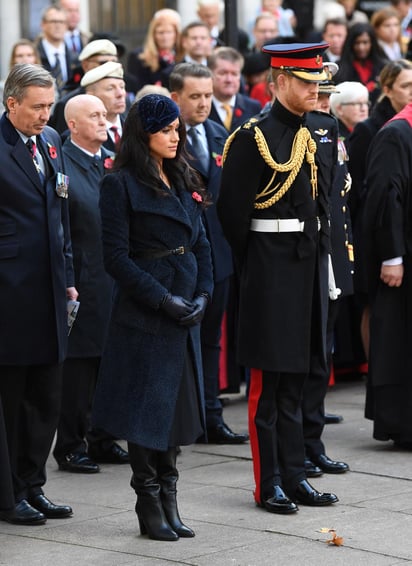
x=376, y=53
x=183, y=70
x=391, y=71
x=134, y=156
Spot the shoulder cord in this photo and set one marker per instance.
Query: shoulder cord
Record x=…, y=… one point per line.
x=303, y=146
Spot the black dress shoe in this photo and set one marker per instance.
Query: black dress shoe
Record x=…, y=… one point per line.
x=221, y=434
x=311, y=470
x=112, y=455
x=23, y=514
x=308, y=495
x=279, y=502
x=330, y=466
x=79, y=463
x=49, y=509
x=333, y=419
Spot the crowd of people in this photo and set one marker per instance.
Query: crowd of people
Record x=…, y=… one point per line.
x=255, y=196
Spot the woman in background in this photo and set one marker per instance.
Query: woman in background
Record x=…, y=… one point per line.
x=362, y=59
x=154, y=63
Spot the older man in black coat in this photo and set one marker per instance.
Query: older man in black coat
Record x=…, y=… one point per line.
x=85, y=162
x=36, y=279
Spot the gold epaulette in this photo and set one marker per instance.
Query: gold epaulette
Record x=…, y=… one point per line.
x=246, y=126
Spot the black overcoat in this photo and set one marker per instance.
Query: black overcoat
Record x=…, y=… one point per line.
x=35, y=252
x=93, y=283
x=388, y=233
x=283, y=276
x=142, y=363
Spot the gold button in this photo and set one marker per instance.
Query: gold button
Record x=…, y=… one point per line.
x=345, y=226
x=343, y=208
x=342, y=193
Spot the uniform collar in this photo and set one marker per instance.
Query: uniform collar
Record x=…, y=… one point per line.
x=287, y=117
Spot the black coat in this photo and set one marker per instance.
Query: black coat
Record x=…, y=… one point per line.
x=388, y=234
x=358, y=143
x=142, y=364
x=244, y=109
x=143, y=75
x=35, y=250
x=94, y=285
x=221, y=253
x=283, y=277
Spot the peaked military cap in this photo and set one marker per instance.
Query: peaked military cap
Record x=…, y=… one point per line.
x=302, y=60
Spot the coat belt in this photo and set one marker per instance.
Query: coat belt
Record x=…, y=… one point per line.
x=278, y=225
x=156, y=254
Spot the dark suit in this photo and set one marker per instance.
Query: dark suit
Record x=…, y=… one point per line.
x=244, y=109
x=6, y=484
x=95, y=292
x=222, y=270
x=316, y=384
x=35, y=270
x=44, y=61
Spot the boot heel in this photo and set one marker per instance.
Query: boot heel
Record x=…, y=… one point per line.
x=142, y=526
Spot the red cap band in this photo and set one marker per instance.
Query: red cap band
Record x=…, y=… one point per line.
x=313, y=64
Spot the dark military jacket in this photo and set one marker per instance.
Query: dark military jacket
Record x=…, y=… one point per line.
x=283, y=276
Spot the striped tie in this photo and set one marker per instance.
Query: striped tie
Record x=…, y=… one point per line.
x=57, y=72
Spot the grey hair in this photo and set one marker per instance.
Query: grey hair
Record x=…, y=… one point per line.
x=349, y=91
x=21, y=77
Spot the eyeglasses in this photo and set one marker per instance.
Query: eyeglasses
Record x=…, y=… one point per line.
x=54, y=21
x=358, y=104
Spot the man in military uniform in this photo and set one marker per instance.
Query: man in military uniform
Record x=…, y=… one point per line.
x=273, y=208
x=316, y=384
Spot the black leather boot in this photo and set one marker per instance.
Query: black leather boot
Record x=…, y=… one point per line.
x=168, y=476
x=145, y=482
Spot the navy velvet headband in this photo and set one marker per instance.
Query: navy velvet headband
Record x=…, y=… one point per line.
x=156, y=112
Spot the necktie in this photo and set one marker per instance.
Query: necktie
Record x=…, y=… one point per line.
x=116, y=135
x=198, y=148
x=57, y=72
x=32, y=147
x=74, y=43
x=229, y=113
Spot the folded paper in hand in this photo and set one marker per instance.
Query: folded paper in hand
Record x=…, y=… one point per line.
x=72, y=309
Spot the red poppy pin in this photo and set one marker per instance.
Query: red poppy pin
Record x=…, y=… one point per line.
x=218, y=159
x=238, y=112
x=52, y=150
x=197, y=197
x=108, y=162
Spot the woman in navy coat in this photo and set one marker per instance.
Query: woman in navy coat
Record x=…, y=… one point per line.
x=150, y=387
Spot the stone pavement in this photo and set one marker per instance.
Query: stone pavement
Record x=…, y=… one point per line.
x=374, y=514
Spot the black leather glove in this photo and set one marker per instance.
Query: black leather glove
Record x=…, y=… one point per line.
x=176, y=307
x=196, y=317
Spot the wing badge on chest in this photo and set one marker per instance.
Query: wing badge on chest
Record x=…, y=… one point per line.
x=323, y=136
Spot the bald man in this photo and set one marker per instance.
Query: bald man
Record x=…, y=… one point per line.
x=85, y=162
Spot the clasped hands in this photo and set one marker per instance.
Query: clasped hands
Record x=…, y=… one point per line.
x=187, y=313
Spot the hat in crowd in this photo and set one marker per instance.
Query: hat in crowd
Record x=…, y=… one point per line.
x=109, y=70
x=256, y=63
x=302, y=60
x=329, y=86
x=98, y=47
x=156, y=112
x=120, y=48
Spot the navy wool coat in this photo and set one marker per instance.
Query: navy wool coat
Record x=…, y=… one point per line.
x=93, y=283
x=143, y=361
x=35, y=252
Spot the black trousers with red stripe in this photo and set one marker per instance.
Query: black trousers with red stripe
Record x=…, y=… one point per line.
x=275, y=428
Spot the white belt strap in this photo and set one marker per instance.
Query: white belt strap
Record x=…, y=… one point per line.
x=276, y=225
